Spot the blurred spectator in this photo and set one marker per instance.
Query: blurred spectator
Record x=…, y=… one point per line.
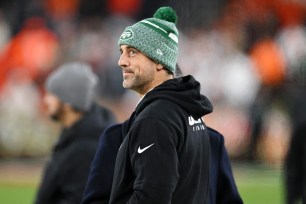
x=23, y=130
x=269, y=62
x=295, y=161
x=295, y=183
x=197, y=13
x=33, y=51
x=23, y=61
x=58, y=9
x=290, y=13
x=128, y=8
x=292, y=40
x=93, y=9
x=70, y=101
x=270, y=67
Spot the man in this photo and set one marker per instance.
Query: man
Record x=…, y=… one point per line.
x=70, y=102
x=165, y=155
x=222, y=189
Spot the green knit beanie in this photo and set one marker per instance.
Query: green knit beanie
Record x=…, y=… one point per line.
x=155, y=37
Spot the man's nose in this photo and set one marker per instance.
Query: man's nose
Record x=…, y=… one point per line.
x=123, y=60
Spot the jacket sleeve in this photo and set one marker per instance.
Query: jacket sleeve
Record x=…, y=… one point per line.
x=99, y=183
x=154, y=161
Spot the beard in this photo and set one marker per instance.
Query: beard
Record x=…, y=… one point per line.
x=138, y=83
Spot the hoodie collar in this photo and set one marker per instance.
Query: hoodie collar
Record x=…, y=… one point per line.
x=184, y=91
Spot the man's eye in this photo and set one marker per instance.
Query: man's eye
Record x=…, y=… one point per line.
x=132, y=52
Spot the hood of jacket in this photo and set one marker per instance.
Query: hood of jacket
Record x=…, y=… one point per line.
x=184, y=91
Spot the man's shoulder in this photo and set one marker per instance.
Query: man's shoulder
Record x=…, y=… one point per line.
x=215, y=136
x=113, y=128
x=214, y=132
x=163, y=108
x=104, y=112
x=113, y=133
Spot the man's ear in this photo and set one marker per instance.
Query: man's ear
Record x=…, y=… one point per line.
x=159, y=66
x=67, y=107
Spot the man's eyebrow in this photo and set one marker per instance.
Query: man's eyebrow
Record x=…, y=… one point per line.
x=128, y=48
x=131, y=47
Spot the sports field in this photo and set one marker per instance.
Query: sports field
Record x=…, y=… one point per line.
x=258, y=184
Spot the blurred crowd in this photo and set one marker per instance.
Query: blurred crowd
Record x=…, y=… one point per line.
x=249, y=55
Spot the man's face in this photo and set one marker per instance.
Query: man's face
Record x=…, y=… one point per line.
x=138, y=70
x=54, y=106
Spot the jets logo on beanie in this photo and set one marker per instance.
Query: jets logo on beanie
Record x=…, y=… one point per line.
x=155, y=37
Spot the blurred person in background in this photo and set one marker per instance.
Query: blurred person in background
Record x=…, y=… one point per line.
x=25, y=60
x=33, y=52
x=70, y=94
x=295, y=160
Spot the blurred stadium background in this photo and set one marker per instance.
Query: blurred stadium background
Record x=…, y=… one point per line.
x=249, y=55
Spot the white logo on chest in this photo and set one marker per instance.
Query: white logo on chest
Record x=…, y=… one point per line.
x=196, y=124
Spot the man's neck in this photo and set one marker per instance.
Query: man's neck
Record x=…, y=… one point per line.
x=71, y=118
x=155, y=84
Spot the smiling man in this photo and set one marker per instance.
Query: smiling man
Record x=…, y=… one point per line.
x=163, y=158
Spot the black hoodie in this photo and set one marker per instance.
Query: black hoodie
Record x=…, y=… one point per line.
x=66, y=172
x=165, y=156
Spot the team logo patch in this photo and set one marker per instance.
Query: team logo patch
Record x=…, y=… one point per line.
x=196, y=124
x=127, y=34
